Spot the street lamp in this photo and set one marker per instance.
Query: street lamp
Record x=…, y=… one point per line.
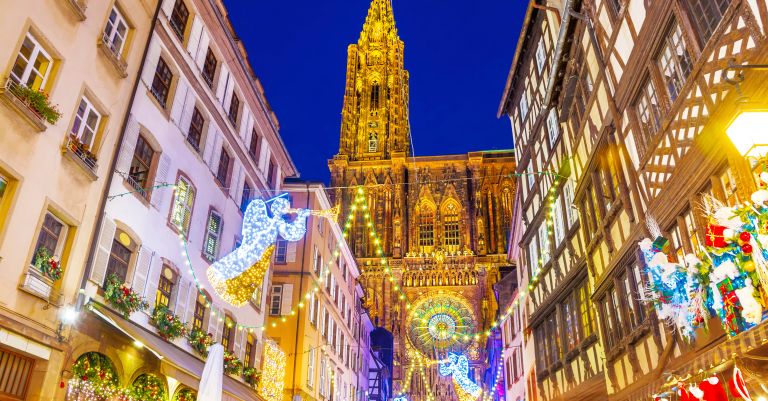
x=749, y=133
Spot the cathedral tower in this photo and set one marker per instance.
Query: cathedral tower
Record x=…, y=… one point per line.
x=375, y=115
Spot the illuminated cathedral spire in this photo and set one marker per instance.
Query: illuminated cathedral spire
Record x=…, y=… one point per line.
x=374, y=122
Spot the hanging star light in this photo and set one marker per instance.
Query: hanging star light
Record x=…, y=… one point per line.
x=236, y=276
x=457, y=366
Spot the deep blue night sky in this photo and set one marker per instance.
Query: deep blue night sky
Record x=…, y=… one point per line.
x=458, y=54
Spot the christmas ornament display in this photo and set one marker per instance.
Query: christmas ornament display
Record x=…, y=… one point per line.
x=237, y=275
x=123, y=298
x=727, y=278
x=168, y=325
x=457, y=366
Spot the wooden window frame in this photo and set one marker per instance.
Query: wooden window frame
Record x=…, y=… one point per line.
x=179, y=19
x=162, y=81
x=144, y=191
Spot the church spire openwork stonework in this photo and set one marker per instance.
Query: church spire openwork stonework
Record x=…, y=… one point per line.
x=374, y=122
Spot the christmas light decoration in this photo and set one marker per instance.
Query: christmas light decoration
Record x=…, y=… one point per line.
x=83, y=390
x=273, y=375
x=457, y=366
x=237, y=275
x=440, y=324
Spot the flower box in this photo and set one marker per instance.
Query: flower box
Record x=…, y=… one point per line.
x=232, y=364
x=114, y=57
x=200, y=341
x=78, y=7
x=32, y=105
x=122, y=298
x=168, y=325
x=81, y=154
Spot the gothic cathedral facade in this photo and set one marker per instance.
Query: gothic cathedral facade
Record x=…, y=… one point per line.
x=442, y=222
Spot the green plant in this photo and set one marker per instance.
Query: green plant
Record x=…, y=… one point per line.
x=48, y=265
x=38, y=101
x=122, y=297
x=82, y=149
x=94, y=367
x=148, y=387
x=200, y=341
x=185, y=394
x=232, y=365
x=168, y=325
x=251, y=376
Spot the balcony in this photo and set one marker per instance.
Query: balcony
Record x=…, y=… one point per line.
x=18, y=97
x=113, y=55
x=78, y=7
x=80, y=153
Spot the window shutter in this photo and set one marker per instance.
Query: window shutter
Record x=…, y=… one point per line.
x=213, y=319
x=286, y=304
x=202, y=49
x=219, y=324
x=245, y=124
x=168, y=7
x=153, y=54
x=191, y=303
x=179, y=101
x=106, y=236
x=152, y=280
x=182, y=292
x=234, y=184
x=143, y=262
x=128, y=146
x=221, y=87
x=210, y=139
x=194, y=37
x=290, y=252
x=230, y=89
x=264, y=157
x=216, y=153
x=243, y=341
x=186, y=115
x=236, y=341
x=160, y=194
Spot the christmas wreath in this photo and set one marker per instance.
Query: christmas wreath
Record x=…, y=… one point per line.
x=148, y=387
x=168, y=325
x=121, y=297
x=232, y=365
x=200, y=341
x=251, y=376
x=48, y=265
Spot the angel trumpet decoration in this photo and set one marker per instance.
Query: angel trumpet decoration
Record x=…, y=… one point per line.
x=236, y=276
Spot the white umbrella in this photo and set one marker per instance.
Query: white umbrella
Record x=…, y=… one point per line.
x=213, y=375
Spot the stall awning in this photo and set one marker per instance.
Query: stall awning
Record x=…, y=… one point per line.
x=174, y=361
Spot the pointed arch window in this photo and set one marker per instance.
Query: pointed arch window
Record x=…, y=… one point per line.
x=451, y=233
x=373, y=142
x=375, y=92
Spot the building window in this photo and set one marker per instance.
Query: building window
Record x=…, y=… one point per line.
x=227, y=340
x=253, y=148
x=585, y=310
x=179, y=18
x=86, y=122
x=141, y=166
x=582, y=90
x=553, y=126
x=212, y=236
x=271, y=175
x=558, y=222
x=523, y=107
x=533, y=254
x=32, y=67
x=248, y=356
x=209, y=67
x=426, y=229
x=317, y=261
x=17, y=372
x=199, y=316
x=728, y=182
x=119, y=260
x=116, y=31
x=183, y=202
x=281, y=250
x=195, y=132
x=313, y=309
x=611, y=311
x=648, y=113
x=707, y=15
x=234, y=109
x=276, y=300
x=544, y=243
x=222, y=173
x=541, y=55
x=165, y=287
x=553, y=339
x=451, y=233
x=311, y=368
x=256, y=296
x=570, y=214
x=674, y=61
x=373, y=142
x=609, y=177
x=246, y=199
x=51, y=238
x=375, y=97
x=161, y=83
x=614, y=5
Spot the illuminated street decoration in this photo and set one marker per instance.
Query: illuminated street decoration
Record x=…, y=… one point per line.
x=440, y=324
x=237, y=275
x=457, y=366
x=726, y=279
x=273, y=375
x=401, y=398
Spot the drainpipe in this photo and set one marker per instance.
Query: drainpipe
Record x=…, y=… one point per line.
x=103, y=202
x=561, y=38
x=298, y=310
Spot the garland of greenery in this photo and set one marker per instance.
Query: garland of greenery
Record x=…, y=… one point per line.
x=232, y=365
x=251, y=376
x=185, y=394
x=96, y=368
x=168, y=325
x=200, y=341
x=123, y=298
x=148, y=387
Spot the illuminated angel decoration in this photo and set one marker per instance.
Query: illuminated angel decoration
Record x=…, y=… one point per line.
x=457, y=366
x=237, y=275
